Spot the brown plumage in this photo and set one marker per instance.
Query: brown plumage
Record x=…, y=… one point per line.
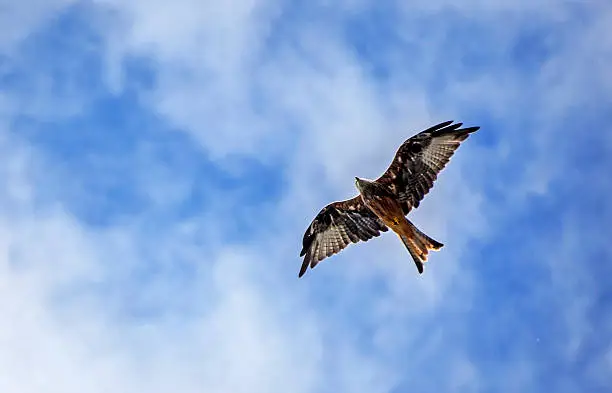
x=384, y=203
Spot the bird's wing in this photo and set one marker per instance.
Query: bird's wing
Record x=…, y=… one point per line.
x=335, y=227
x=419, y=159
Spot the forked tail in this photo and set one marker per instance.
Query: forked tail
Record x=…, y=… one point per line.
x=418, y=244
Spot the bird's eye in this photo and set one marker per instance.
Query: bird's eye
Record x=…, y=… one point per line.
x=416, y=147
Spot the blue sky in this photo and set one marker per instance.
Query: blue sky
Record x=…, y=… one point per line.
x=161, y=162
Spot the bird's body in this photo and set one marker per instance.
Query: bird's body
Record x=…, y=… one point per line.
x=387, y=208
x=385, y=202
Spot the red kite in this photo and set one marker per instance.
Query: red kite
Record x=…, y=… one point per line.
x=385, y=202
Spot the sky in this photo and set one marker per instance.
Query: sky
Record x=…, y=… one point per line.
x=162, y=160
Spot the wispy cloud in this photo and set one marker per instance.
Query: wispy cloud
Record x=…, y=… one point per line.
x=161, y=162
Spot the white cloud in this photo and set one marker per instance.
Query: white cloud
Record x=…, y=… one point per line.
x=19, y=20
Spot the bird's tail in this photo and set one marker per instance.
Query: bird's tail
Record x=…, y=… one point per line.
x=418, y=244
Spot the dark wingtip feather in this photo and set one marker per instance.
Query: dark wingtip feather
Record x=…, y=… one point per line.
x=306, y=241
x=303, y=268
x=470, y=130
x=464, y=133
x=460, y=133
x=439, y=126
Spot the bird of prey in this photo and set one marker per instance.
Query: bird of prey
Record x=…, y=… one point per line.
x=385, y=202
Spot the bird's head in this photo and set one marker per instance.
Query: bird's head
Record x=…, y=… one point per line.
x=361, y=183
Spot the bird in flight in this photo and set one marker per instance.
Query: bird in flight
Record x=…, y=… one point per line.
x=385, y=202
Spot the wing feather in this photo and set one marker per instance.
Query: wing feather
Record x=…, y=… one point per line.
x=419, y=160
x=335, y=227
